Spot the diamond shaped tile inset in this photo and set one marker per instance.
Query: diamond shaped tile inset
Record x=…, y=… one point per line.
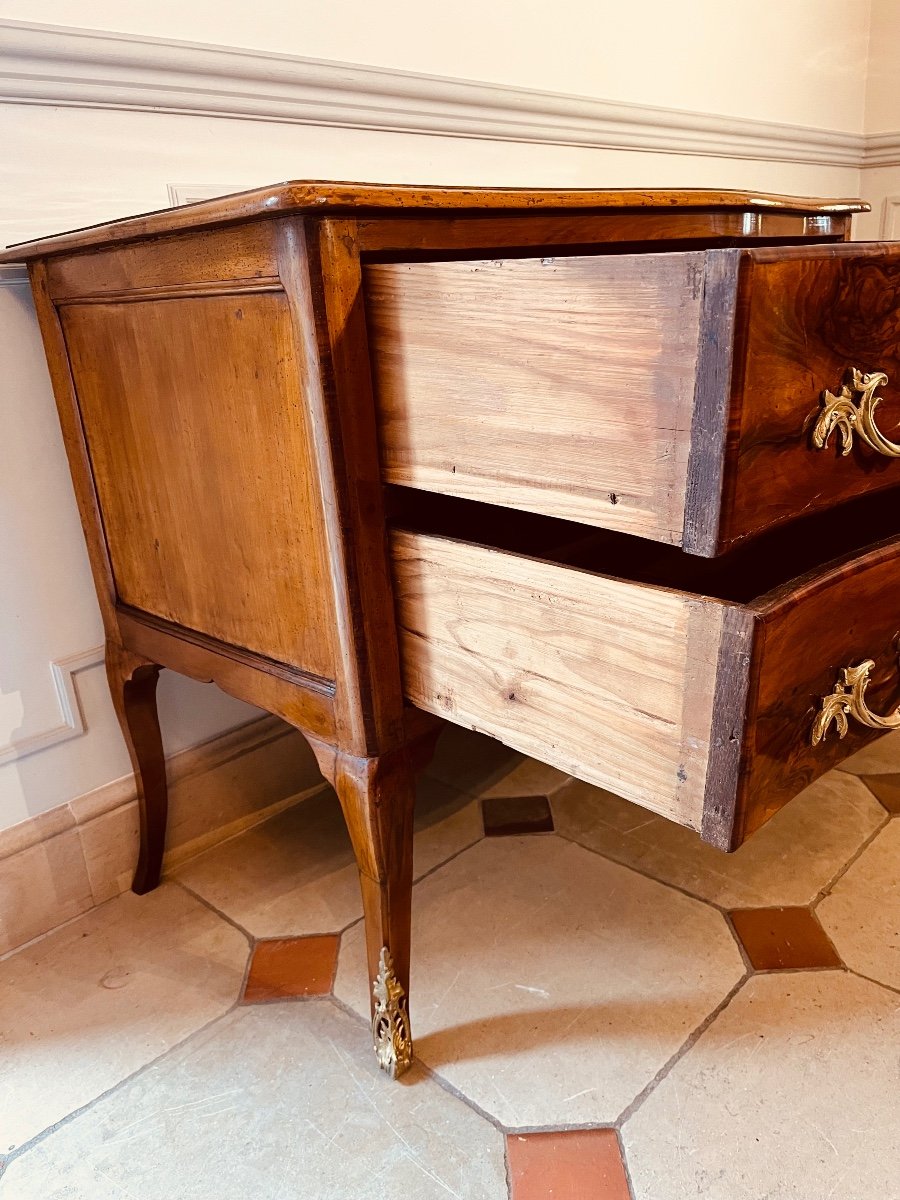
x=507, y=816
x=887, y=789
x=583, y=1164
x=784, y=939
x=285, y=968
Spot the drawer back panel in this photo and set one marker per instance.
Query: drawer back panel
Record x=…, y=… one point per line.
x=560, y=386
x=201, y=458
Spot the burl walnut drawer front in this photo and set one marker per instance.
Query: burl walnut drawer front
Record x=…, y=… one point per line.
x=713, y=712
x=691, y=398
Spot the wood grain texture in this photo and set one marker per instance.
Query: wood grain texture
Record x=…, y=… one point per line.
x=560, y=386
x=465, y=232
x=233, y=258
x=132, y=685
x=811, y=627
x=805, y=315
x=325, y=197
x=711, y=412
x=201, y=457
x=605, y=679
x=370, y=712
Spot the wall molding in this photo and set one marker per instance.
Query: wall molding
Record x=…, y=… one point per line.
x=882, y=150
x=56, y=65
x=13, y=276
x=890, y=219
x=71, y=725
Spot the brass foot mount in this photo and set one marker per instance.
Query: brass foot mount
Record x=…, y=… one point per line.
x=390, y=1020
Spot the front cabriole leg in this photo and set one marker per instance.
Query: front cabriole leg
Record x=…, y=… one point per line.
x=377, y=796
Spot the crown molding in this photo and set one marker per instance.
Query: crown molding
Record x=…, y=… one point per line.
x=55, y=65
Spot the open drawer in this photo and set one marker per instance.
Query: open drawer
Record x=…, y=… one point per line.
x=693, y=398
x=711, y=709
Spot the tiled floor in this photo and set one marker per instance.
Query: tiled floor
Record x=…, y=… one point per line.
x=603, y=1007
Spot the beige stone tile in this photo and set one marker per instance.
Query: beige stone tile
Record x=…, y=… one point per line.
x=91, y=1003
x=549, y=985
x=293, y=874
x=881, y=757
x=271, y=1103
x=296, y=874
x=470, y=761
x=527, y=777
x=862, y=914
x=40, y=887
x=447, y=821
x=787, y=862
x=791, y=1092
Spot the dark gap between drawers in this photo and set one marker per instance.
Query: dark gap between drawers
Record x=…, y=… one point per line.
x=743, y=574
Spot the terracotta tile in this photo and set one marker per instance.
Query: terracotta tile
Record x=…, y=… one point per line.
x=284, y=968
x=505, y=816
x=583, y=1164
x=784, y=938
x=886, y=789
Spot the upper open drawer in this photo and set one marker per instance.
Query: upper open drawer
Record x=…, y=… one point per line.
x=692, y=398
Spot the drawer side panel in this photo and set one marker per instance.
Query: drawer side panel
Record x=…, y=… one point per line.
x=607, y=680
x=559, y=386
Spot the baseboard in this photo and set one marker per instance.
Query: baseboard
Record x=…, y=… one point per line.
x=62, y=863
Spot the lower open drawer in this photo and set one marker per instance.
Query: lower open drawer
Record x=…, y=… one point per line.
x=711, y=709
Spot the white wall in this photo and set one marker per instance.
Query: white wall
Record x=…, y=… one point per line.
x=802, y=63
x=881, y=184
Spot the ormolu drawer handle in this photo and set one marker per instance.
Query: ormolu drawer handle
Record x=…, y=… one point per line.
x=845, y=414
x=848, y=699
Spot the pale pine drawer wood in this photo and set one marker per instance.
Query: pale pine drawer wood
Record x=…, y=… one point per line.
x=695, y=707
x=672, y=396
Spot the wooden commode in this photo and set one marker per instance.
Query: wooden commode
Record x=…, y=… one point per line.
x=601, y=474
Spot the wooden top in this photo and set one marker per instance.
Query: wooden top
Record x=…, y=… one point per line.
x=318, y=196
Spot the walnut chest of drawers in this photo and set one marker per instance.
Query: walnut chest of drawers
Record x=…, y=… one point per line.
x=600, y=474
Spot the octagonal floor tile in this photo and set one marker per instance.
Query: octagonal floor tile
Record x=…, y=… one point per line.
x=295, y=874
x=862, y=914
x=271, y=1103
x=878, y=758
x=789, y=1094
x=86, y=1006
x=787, y=862
x=550, y=985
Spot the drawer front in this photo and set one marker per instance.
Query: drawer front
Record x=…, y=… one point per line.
x=711, y=713
x=808, y=318
x=672, y=396
x=808, y=634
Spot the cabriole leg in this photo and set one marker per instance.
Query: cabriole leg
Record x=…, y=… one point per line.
x=377, y=796
x=132, y=682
